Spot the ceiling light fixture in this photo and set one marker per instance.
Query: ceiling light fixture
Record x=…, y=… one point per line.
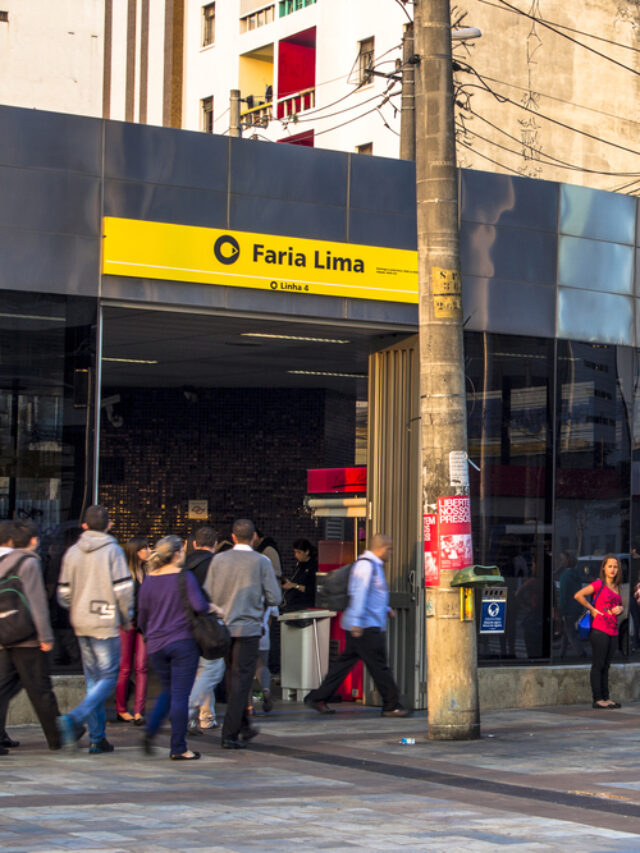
x=34, y=317
x=132, y=360
x=327, y=373
x=294, y=338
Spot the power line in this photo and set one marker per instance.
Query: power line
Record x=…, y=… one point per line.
x=570, y=29
x=506, y=99
x=556, y=98
x=565, y=36
x=491, y=160
x=548, y=157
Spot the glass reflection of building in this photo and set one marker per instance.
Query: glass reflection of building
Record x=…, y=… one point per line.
x=552, y=401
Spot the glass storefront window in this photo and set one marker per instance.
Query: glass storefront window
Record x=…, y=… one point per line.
x=509, y=398
x=47, y=350
x=594, y=402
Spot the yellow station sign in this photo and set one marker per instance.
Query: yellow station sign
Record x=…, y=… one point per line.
x=143, y=249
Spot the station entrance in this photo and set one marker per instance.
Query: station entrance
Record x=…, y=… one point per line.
x=207, y=417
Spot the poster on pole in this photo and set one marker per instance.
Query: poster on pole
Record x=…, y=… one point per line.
x=430, y=539
x=455, y=549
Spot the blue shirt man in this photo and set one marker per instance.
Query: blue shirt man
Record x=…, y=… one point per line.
x=365, y=621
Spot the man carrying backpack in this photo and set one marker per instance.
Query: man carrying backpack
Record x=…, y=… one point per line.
x=96, y=586
x=365, y=621
x=25, y=662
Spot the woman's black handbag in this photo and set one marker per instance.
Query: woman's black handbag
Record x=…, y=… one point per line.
x=210, y=633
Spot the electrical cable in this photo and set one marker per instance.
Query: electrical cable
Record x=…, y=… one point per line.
x=491, y=160
x=556, y=98
x=404, y=9
x=497, y=5
x=548, y=157
x=339, y=112
x=505, y=99
x=565, y=36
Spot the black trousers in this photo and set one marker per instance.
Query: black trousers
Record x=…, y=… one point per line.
x=371, y=649
x=29, y=667
x=241, y=666
x=603, y=648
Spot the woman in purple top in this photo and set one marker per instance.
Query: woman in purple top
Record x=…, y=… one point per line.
x=605, y=608
x=172, y=650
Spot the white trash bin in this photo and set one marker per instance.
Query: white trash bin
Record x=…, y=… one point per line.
x=304, y=652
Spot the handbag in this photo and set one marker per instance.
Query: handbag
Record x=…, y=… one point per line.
x=209, y=631
x=583, y=625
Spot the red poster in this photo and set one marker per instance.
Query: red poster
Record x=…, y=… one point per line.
x=430, y=538
x=455, y=550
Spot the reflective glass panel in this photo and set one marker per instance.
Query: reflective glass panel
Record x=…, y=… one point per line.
x=594, y=401
x=509, y=404
x=595, y=265
x=596, y=317
x=596, y=213
x=47, y=347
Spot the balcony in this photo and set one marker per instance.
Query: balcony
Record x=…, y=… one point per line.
x=296, y=103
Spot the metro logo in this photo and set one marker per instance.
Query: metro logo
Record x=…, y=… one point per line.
x=185, y=253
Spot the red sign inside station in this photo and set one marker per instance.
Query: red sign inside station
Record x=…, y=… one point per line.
x=337, y=480
x=430, y=540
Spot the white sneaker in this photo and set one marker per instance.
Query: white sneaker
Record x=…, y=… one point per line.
x=208, y=723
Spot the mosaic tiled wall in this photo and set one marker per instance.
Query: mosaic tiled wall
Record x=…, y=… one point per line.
x=245, y=452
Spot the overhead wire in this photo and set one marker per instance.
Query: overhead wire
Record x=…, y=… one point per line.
x=500, y=5
x=506, y=99
x=548, y=158
x=558, y=32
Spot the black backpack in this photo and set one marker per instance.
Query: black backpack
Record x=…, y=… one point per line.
x=332, y=588
x=16, y=623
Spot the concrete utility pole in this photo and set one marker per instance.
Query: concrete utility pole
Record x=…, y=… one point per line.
x=235, y=124
x=408, y=105
x=452, y=691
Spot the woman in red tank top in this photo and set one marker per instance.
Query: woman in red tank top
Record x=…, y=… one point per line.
x=605, y=608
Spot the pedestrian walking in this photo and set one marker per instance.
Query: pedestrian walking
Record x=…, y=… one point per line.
x=365, y=621
x=263, y=673
x=241, y=582
x=605, y=608
x=26, y=662
x=202, y=705
x=133, y=649
x=173, y=652
x=97, y=588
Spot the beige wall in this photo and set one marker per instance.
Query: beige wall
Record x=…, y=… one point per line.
x=557, y=79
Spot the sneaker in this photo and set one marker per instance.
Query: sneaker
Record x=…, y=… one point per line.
x=100, y=747
x=193, y=728
x=267, y=701
x=67, y=728
x=208, y=723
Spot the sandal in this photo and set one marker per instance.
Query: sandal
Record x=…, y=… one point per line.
x=186, y=756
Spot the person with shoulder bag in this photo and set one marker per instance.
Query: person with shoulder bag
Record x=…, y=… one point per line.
x=172, y=649
x=605, y=610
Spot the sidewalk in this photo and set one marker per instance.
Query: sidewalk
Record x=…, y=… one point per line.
x=545, y=779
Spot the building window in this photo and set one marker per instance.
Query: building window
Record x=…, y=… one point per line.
x=206, y=114
x=365, y=148
x=4, y=17
x=208, y=24
x=289, y=6
x=365, y=61
x=257, y=18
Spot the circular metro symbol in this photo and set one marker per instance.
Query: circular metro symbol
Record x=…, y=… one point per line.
x=226, y=249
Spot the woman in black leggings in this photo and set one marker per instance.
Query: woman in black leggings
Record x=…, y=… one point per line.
x=605, y=608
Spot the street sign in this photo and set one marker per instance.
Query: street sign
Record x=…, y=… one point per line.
x=493, y=611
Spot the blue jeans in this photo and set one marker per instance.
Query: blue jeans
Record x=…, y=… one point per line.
x=210, y=673
x=100, y=664
x=175, y=666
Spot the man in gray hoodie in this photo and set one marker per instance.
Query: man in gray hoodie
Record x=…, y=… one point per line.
x=26, y=664
x=242, y=583
x=95, y=585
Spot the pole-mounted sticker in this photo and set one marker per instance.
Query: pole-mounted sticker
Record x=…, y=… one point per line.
x=446, y=288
